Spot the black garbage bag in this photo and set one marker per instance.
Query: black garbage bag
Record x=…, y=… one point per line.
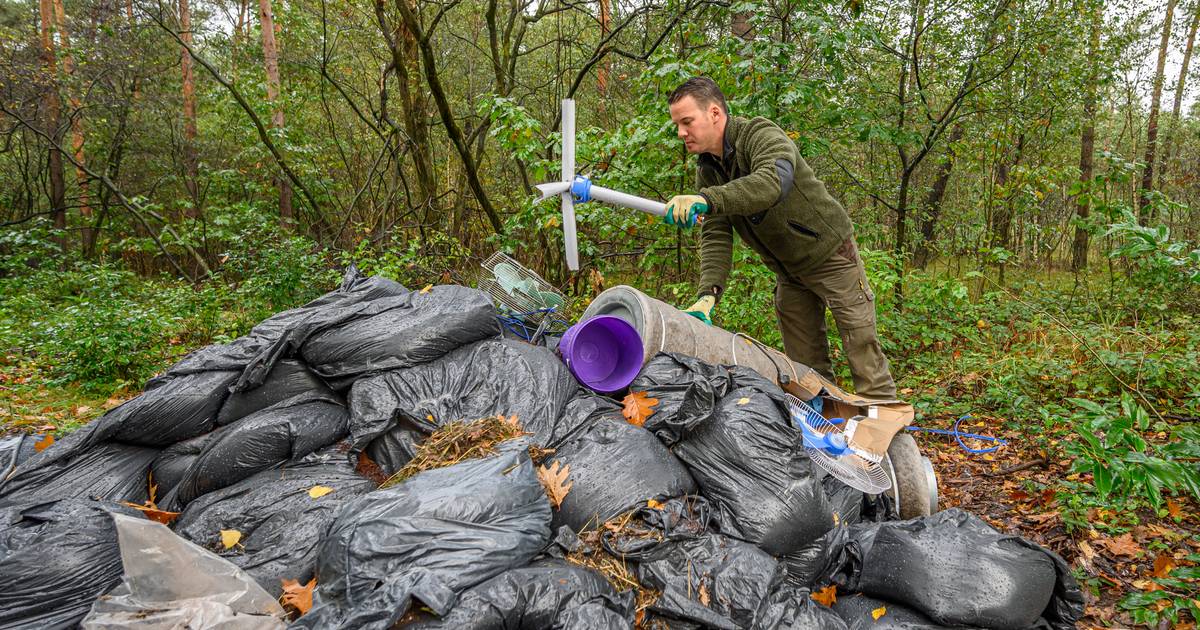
x=548, y=594
x=286, y=430
x=581, y=412
x=687, y=390
x=957, y=570
x=56, y=558
x=171, y=409
x=704, y=577
x=173, y=463
x=256, y=354
x=15, y=449
x=393, y=412
x=858, y=611
x=437, y=534
x=810, y=565
x=750, y=463
x=116, y=472
x=280, y=520
x=288, y=378
x=397, y=332
x=614, y=466
x=794, y=609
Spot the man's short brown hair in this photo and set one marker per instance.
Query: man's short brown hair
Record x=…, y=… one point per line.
x=703, y=89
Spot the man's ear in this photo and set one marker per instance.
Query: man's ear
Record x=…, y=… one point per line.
x=714, y=112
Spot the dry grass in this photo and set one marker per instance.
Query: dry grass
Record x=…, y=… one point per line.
x=592, y=555
x=458, y=441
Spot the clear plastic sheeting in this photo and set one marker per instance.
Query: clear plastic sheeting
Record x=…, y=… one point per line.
x=171, y=584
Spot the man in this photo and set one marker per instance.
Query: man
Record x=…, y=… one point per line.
x=751, y=180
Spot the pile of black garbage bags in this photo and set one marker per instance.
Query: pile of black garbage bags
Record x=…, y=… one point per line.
x=259, y=444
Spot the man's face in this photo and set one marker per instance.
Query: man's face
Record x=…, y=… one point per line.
x=700, y=128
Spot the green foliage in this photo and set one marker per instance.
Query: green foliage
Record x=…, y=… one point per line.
x=1112, y=446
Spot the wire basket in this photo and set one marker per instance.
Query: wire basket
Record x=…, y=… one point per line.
x=524, y=301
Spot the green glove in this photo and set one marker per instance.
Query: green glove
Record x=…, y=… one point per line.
x=702, y=309
x=683, y=210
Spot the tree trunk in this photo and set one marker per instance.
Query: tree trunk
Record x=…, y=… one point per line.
x=81, y=180
x=1145, y=212
x=271, y=65
x=190, y=162
x=933, y=202
x=1169, y=155
x=740, y=26
x=51, y=105
x=1087, y=148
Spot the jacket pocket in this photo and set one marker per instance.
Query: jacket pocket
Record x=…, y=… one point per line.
x=802, y=230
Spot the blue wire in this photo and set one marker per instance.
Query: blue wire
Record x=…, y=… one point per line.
x=959, y=435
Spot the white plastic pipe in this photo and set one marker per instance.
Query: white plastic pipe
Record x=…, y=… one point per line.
x=618, y=198
x=568, y=174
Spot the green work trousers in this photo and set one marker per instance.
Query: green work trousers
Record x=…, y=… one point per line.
x=839, y=284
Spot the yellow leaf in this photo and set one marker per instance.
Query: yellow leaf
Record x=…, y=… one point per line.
x=742, y=401
x=652, y=504
x=296, y=596
x=704, y=594
x=826, y=596
x=44, y=443
x=878, y=612
x=230, y=537
x=638, y=407
x=554, y=481
x=317, y=492
x=427, y=289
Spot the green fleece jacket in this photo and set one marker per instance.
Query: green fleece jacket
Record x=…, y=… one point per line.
x=763, y=190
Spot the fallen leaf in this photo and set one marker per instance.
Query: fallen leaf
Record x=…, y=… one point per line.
x=554, y=481
x=230, y=537
x=704, y=594
x=653, y=505
x=878, y=612
x=153, y=513
x=316, y=492
x=1122, y=545
x=1163, y=565
x=743, y=400
x=1147, y=585
x=43, y=443
x=82, y=410
x=826, y=596
x=1174, y=509
x=296, y=596
x=427, y=289
x=638, y=407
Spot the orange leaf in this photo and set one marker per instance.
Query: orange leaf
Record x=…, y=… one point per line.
x=1163, y=565
x=44, y=443
x=878, y=612
x=826, y=596
x=153, y=513
x=704, y=599
x=1122, y=545
x=554, y=481
x=1174, y=509
x=296, y=596
x=638, y=407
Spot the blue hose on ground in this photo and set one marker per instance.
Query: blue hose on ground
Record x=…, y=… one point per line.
x=959, y=435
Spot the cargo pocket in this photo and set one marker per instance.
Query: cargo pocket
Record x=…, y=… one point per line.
x=800, y=229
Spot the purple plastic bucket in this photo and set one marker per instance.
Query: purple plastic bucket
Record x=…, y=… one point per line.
x=603, y=352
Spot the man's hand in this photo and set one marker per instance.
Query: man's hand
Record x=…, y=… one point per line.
x=702, y=309
x=683, y=210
